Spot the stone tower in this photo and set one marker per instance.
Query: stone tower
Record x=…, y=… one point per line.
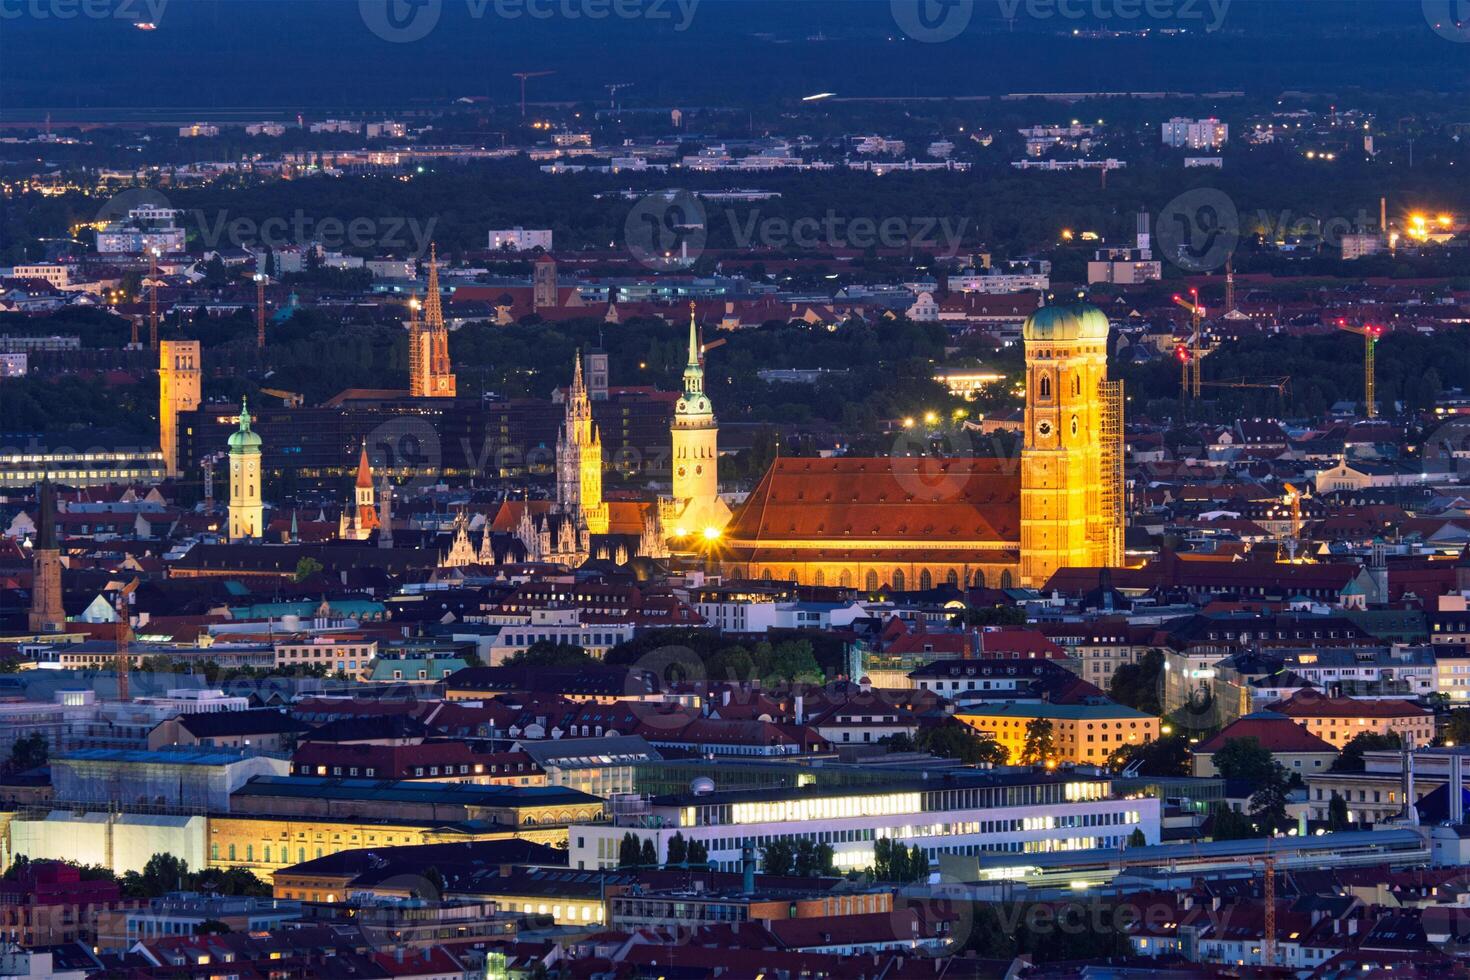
x=178, y=391
x=430, y=371
x=696, y=507
x=579, y=459
x=46, y=613
x=543, y=283
x=1071, y=514
x=247, y=512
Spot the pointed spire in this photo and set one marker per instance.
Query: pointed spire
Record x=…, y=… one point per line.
x=364, y=470
x=244, y=415
x=694, y=358
x=577, y=386
x=295, y=532
x=433, y=312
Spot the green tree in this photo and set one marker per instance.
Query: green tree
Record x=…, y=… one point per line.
x=678, y=849
x=1227, y=823
x=1246, y=759
x=28, y=752
x=1040, y=744
x=1268, y=802
x=1137, y=685
x=1167, y=756
x=778, y=857
x=306, y=567
x=630, y=852
x=698, y=854
x=545, y=653
x=1137, y=838
x=1351, y=759
x=951, y=739
x=649, y=854
x=1337, y=813
x=1457, y=727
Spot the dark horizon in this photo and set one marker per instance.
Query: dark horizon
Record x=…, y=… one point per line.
x=209, y=56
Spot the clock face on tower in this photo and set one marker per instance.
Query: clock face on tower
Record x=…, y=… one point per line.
x=1043, y=428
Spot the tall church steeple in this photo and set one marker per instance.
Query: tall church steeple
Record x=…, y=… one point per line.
x=247, y=512
x=431, y=374
x=579, y=459
x=696, y=507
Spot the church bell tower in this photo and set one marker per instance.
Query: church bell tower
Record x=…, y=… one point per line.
x=1071, y=456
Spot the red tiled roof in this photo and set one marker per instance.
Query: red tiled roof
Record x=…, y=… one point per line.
x=850, y=500
x=1310, y=704
x=1275, y=734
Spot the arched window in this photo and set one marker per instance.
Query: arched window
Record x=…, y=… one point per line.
x=980, y=578
x=766, y=575
x=951, y=578
x=1076, y=383
x=926, y=580
x=845, y=579
x=871, y=581
x=1044, y=389
x=898, y=580
x=819, y=578
x=1005, y=579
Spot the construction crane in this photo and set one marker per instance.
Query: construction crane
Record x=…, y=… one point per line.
x=123, y=662
x=1196, y=353
x=260, y=280
x=153, y=297
x=523, y=75
x=612, y=93
x=1371, y=334
x=1268, y=899
x=1293, y=499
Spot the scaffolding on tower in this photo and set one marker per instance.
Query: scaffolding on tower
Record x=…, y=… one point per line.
x=1113, y=498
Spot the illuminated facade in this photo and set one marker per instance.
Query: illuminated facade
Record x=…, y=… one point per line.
x=359, y=521
x=1066, y=515
x=960, y=814
x=579, y=460
x=1085, y=734
x=430, y=372
x=47, y=614
x=247, y=512
x=178, y=391
x=695, y=507
x=916, y=522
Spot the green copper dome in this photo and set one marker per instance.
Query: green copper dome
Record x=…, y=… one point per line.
x=243, y=440
x=1076, y=321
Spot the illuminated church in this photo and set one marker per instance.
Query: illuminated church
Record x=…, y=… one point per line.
x=579, y=524
x=919, y=522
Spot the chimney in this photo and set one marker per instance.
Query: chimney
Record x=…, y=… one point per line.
x=1411, y=802
x=798, y=709
x=1456, y=790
